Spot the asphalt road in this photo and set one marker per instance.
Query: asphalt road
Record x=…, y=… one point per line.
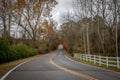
x=56, y=66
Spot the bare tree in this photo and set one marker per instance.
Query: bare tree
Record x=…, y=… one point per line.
x=28, y=15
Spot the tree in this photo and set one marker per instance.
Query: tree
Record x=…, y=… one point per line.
x=5, y=16
x=98, y=21
x=30, y=16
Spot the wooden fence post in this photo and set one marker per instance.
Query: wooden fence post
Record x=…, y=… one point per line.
x=118, y=64
x=107, y=61
x=94, y=59
x=86, y=58
x=99, y=60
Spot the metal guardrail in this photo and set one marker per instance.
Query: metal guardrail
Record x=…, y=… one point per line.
x=101, y=60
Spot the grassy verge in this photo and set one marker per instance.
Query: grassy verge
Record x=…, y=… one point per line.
x=91, y=63
x=5, y=67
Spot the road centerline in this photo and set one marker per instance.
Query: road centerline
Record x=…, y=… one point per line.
x=70, y=71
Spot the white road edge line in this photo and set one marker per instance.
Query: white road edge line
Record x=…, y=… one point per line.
x=71, y=71
x=74, y=60
x=4, y=76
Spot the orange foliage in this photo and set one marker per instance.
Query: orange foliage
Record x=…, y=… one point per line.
x=65, y=46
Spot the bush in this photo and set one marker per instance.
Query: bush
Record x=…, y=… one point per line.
x=21, y=51
x=4, y=50
x=44, y=49
x=14, y=52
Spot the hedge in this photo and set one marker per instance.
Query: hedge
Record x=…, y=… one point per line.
x=13, y=52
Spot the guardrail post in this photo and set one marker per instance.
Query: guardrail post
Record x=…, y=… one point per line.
x=118, y=64
x=107, y=61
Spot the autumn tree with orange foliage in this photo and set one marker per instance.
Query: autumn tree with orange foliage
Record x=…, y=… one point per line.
x=24, y=18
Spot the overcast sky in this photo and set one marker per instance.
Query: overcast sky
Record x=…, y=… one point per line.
x=60, y=9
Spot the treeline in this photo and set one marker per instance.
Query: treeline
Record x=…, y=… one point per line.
x=24, y=30
x=94, y=27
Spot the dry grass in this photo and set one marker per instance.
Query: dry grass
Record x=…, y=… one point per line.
x=5, y=67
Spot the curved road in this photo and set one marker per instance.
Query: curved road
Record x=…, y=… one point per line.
x=56, y=66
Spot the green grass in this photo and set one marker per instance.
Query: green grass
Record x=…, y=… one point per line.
x=92, y=63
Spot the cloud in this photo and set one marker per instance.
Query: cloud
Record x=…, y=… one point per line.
x=60, y=9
